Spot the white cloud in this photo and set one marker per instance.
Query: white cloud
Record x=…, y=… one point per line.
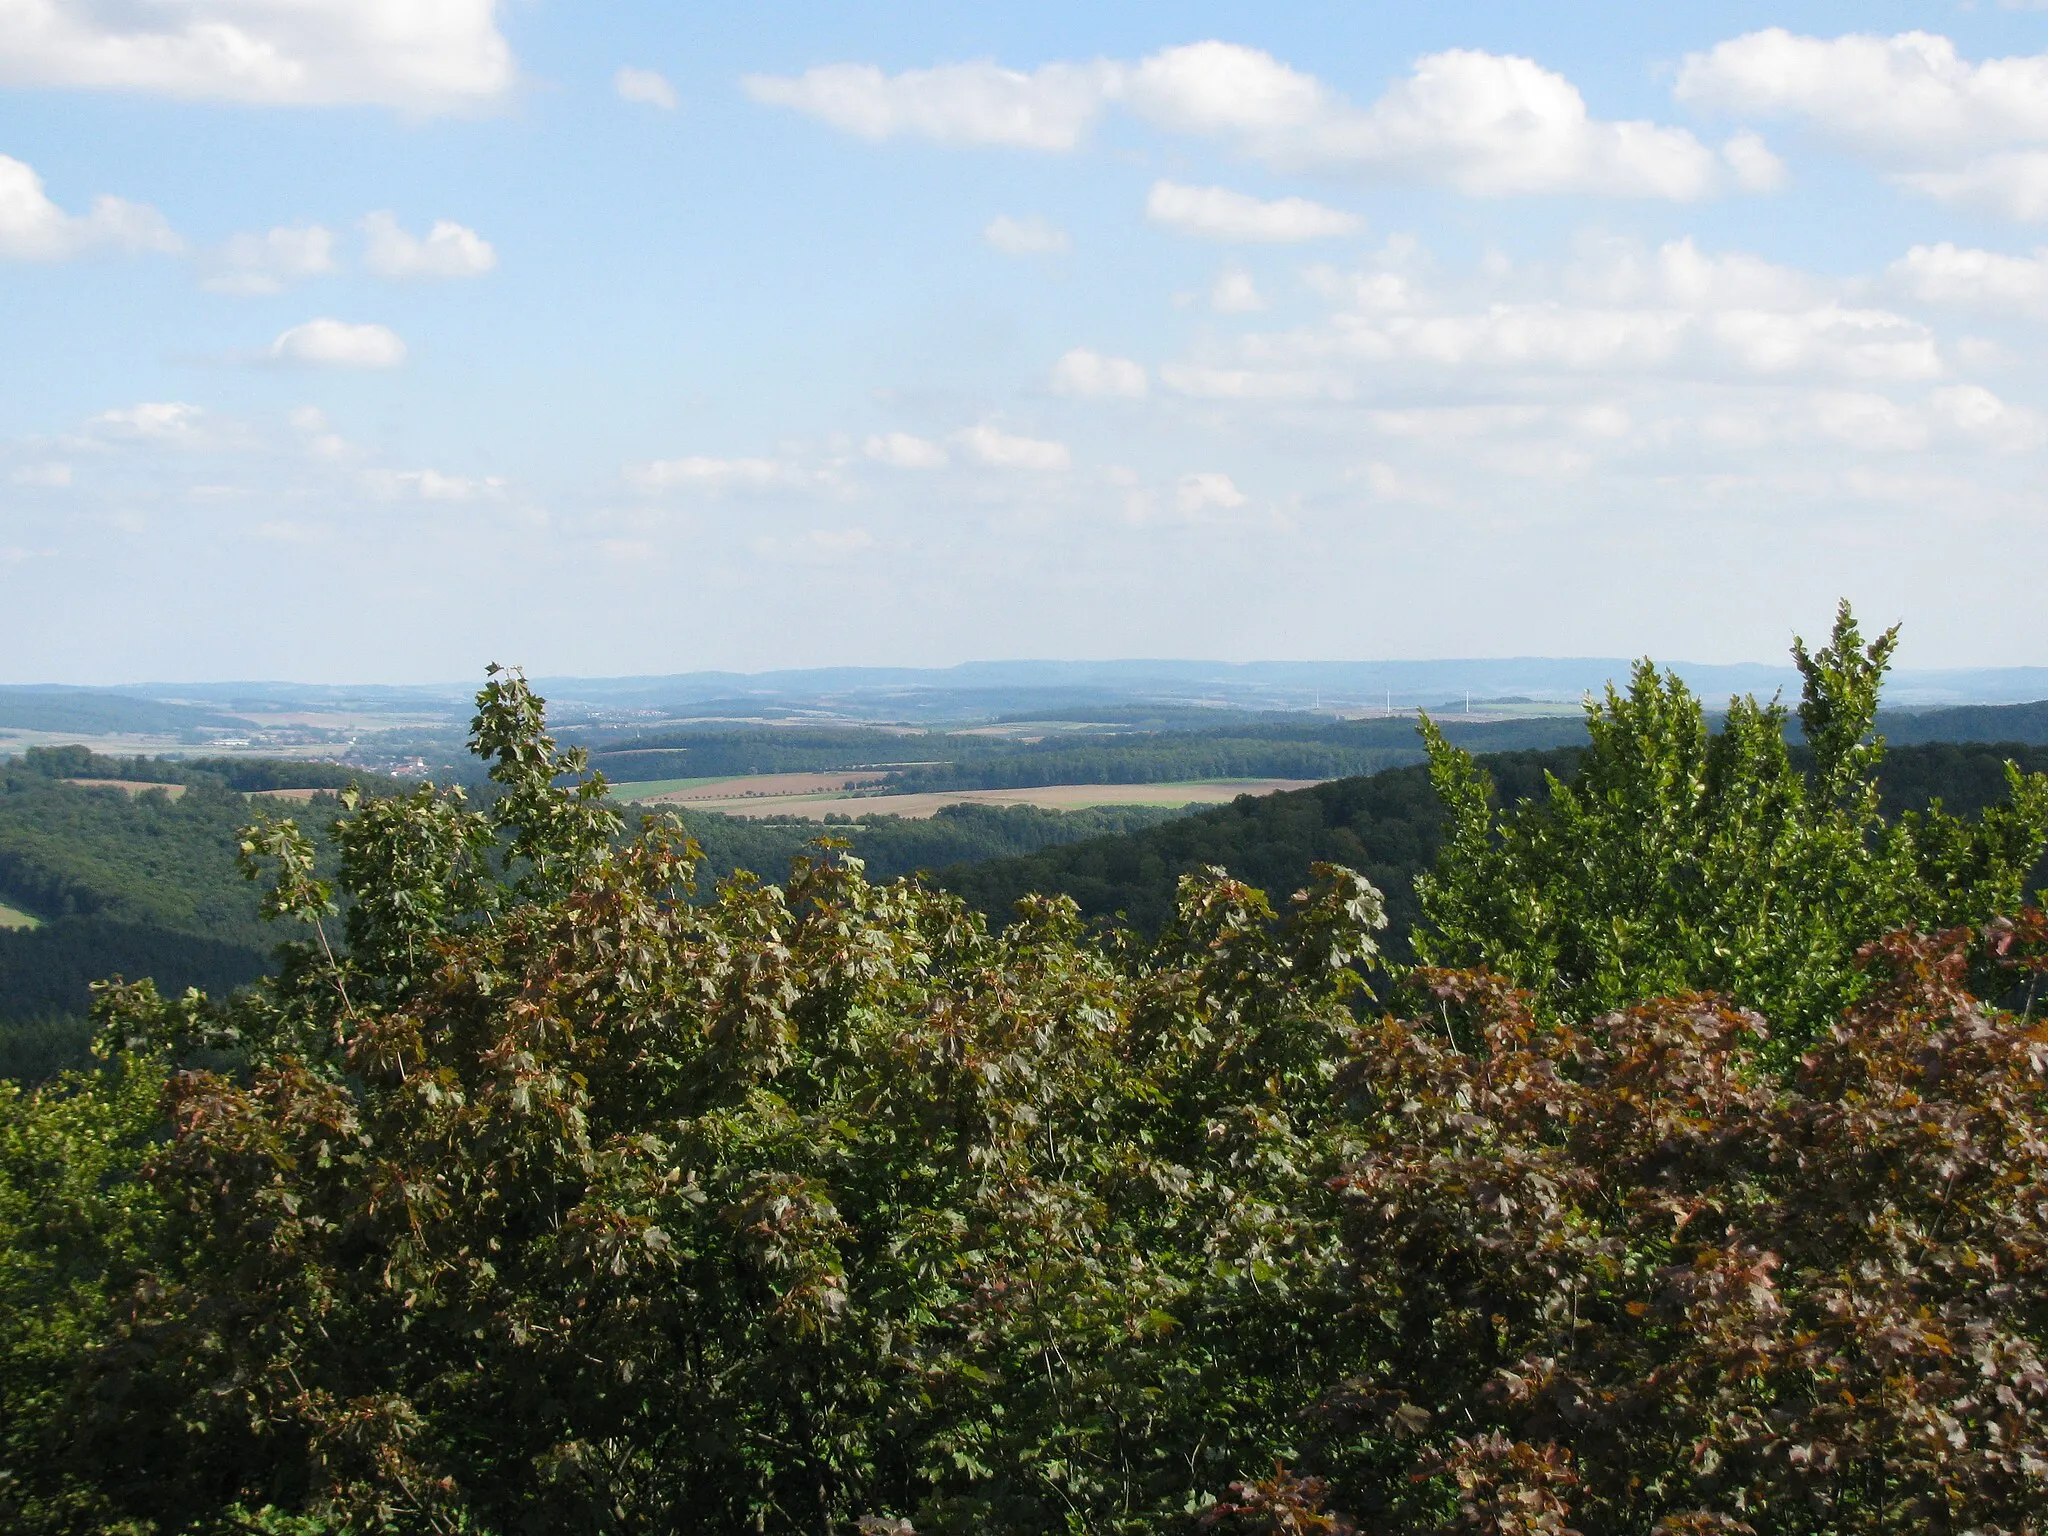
x=1001, y=450
x=1946, y=127
x=1613, y=312
x=321, y=440
x=900, y=450
x=170, y=422
x=50, y=475
x=328, y=343
x=262, y=264
x=33, y=228
x=432, y=485
x=1907, y=96
x=1971, y=279
x=2013, y=185
x=1095, y=376
x=1217, y=213
x=1236, y=294
x=1755, y=168
x=416, y=55
x=978, y=103
x=449, y=250
x=1486, y=123
x=1199, y=494
x=1026, y=237
x=712, y=476
x=645, y=86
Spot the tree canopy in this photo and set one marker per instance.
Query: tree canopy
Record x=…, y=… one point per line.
x=1678, y=859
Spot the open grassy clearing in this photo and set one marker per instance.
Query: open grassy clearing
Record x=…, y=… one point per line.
x=14, y=917
x=1051, y=797
x=749, y=787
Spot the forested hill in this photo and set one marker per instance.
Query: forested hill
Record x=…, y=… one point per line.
x=1387, y=826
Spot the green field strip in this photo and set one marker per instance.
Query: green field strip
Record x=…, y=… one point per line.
x=14, y=917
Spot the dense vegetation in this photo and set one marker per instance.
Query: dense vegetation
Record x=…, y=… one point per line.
x=99, y=712
x=1390, y=826
x=890, y=846
x=1682, y=860
x=1251, y=747
x=126, y=885
x=534, y=1195
x=148, y=886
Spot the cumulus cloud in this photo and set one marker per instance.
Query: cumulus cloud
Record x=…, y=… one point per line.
x=1754, y=166
x=1199, y=494
x=1094, y=376
x=712, y=476
x=1906, y=95
x=1488, y=124
x=645, y=86
x=262, y=264
x=1236, y=294
x=33, y=228
x=901, y=450
x=416, y=55
x=52, y=475
x=449, y=249
x=326, y=343
x=2013, y=185
x=1615, y=311
x=1217, y=213
x=1986, y=281
x=170, y=422
x=1026, y=237
x=432, y=485
x=1001, y=450
x=979, y=103
x=1945, y=126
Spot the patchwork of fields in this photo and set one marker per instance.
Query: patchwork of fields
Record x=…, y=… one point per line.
x=819, y=795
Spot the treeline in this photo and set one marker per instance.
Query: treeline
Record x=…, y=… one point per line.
x=1268, y=747
x=896, y=845
x=46, y=976
x=1152, y=760
x=1389, y=827
x=248, y=775
x=713, y=753
x=91, y=712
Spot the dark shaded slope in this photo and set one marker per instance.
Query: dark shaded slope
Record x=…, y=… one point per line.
x=1387, y=827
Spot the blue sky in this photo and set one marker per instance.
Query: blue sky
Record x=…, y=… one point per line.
x=351, y=339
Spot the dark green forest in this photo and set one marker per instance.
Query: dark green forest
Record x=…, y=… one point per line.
x=1389, y=827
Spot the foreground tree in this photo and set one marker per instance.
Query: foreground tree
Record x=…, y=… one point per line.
x=1680, y=859
x=1613, y=1277
x=552, y=1201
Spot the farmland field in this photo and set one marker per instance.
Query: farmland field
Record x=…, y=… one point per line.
x=827, y=801
x=756, y=786
x=128, y=786
x=13, y=917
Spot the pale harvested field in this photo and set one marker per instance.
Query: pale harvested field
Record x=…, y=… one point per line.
x=289, y=794
x=133, y=787
x=755, y=786
x=1053, y=797
x=14, y=917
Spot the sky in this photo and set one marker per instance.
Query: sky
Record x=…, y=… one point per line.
x=348, y=340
